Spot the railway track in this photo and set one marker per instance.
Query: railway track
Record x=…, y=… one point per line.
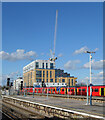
x=13, y=112
x=75, y=97
x=4, y=115
x=16, y=113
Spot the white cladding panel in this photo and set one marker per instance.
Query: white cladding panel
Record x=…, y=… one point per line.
x=32, y=65
x=51, y=84
x=17, y=84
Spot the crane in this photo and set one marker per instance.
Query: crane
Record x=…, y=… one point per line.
x=53, y=58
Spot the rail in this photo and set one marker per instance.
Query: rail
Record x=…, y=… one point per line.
x=76, y=97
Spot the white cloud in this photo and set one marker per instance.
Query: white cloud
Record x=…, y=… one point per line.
x=60, y=55
x=18, y=55
x=81, y=50
x=42, y=54
x=96, y=49
x=71, y=64
x=96, y=65
x=97, y=79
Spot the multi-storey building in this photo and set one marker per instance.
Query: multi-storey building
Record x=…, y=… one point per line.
x=18, y=83
x=44, y=71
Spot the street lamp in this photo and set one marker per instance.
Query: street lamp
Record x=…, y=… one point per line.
x=87, y=93
x=90, y=58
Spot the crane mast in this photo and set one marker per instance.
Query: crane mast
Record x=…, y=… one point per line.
x=53, y=58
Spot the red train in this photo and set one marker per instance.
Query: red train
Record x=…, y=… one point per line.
x=97, y=90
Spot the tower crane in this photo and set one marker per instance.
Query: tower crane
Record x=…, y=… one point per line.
x=53, y=58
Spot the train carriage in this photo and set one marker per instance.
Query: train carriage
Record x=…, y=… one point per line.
x=62, y=90
x=97, y=90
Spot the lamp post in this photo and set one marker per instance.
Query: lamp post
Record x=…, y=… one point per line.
x=90, y=58
x=87, y=94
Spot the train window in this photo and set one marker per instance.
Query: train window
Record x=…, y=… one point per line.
x=83, y=89
x=62, y=89
x=92, y=89
x=79, y=90
x=68, y=90
x=96, y=90
x=72, y=89
x=53, y=89
x=48, y=89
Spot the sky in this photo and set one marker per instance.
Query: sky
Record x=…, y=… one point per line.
x=28, y=34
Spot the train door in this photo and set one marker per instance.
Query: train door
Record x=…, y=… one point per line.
x=65, y=90
x=102, y=91
x=75, y=91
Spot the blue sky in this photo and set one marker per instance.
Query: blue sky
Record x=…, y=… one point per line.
x=28, y=28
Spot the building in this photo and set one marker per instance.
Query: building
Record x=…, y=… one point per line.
x=44, y=73
x=18, y=83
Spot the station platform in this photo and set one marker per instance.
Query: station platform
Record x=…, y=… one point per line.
x=97, y=109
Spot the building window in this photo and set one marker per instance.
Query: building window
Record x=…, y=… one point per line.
x=47, y=73
x=28, y=79
x=47, y=80
x=38, y=80
x=72, y=81
x=38, y=73
x=50, y=74
x=43, y=65
x=63, y=80
x=51, y=80
x=46, y=65
x=43, y=80
x=31, y=82
x=55, y=80
x=69, y=82
x=56, y=74
x=37, y=65
x=59, y=80
x=31, y=74
x=43, y=73
x=51, y=65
